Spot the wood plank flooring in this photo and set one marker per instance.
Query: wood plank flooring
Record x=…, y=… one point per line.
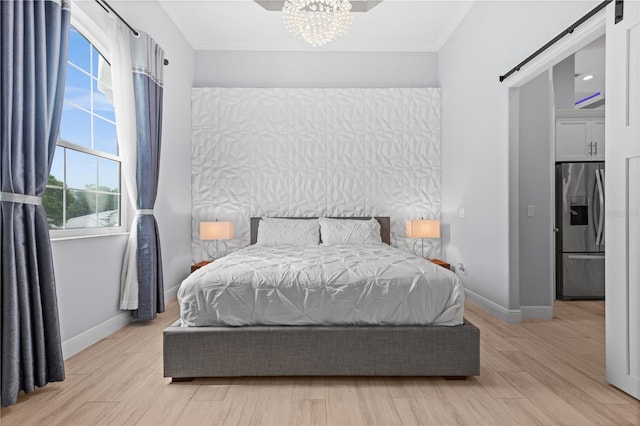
x=537, y=372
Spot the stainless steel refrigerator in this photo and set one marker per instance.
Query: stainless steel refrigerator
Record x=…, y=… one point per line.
x=580, y=231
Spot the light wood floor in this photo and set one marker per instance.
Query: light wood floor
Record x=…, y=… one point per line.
x=538, y=372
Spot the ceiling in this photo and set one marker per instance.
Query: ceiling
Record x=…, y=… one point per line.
x=393, y=25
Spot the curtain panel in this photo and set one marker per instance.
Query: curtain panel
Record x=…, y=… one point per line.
x=116, y=82
x=142, y=288
x=34, y=45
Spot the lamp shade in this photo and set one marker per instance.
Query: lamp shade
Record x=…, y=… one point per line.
x=423, y=228
x=216, y=230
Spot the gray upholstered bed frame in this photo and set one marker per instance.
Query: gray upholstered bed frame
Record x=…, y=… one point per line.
x=453, y=352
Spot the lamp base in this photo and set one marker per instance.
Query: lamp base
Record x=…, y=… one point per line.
x=217, y=256
x=413, y=248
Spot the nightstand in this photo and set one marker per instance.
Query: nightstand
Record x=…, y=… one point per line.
x=441, y=263
x=199, y=265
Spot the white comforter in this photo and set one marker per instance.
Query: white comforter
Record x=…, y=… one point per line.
x=320, y=285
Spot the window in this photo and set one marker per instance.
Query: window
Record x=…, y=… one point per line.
x=83, y=190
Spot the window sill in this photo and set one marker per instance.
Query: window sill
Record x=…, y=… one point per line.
x=82, y=237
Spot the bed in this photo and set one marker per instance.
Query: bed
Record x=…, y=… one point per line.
x=277, y=329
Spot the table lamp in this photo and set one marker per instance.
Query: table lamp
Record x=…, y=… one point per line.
x=216, y=231
x=423, y=229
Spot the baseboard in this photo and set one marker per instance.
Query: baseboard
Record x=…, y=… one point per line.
x=171, y=294
x=87, y=338
x=512, y=316
x=536, y=312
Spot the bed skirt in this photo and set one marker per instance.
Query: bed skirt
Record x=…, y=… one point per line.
x=321, y=351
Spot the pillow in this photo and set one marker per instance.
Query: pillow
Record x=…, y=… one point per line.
x=349, y=231
x=288, y=232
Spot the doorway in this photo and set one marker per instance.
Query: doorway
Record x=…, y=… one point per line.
x=560, y=129
x=533, y=103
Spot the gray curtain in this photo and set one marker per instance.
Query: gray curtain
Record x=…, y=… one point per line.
x=34, y=39
x=148, y=62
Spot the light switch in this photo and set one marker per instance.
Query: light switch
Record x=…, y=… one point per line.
x=461, y=213
x=531, y=210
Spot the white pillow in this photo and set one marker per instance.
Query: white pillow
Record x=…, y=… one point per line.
x=288, y=232
x=349, y=231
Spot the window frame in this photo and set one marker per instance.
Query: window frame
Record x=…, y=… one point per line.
x=93, y=32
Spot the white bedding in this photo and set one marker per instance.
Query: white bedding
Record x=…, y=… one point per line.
x=321, y=285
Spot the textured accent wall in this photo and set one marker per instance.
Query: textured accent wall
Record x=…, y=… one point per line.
x=315, y=152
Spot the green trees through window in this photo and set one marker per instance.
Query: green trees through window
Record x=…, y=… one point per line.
x=80, y=206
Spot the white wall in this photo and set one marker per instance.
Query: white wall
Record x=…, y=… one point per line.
x=535, y=172
x=88, y=270
x=85, y=272
x=315, y=69
x=564, y=83
x=315, y=152
x=493, y=37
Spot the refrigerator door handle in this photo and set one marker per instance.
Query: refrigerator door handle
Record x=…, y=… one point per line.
x=585, y=256
x=595, y=213
x=601, y=207
x=603, y=201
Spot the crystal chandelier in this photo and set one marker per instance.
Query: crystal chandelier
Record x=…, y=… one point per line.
x=317, y=21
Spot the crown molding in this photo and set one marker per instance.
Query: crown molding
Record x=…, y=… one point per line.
x=356, y=5
x=303, y=47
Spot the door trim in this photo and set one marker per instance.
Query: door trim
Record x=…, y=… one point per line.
x=582, y=36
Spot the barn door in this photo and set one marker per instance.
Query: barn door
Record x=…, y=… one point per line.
x=622, y=199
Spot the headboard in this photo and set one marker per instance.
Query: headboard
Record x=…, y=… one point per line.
x=385, y=226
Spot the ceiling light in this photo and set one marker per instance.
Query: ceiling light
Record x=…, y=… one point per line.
x=317, y=21
x=587, y=77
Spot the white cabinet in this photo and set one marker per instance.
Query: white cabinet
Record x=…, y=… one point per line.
x=579, y=139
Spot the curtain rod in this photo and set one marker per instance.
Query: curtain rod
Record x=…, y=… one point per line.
x=569, y=30
x=103, y=4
